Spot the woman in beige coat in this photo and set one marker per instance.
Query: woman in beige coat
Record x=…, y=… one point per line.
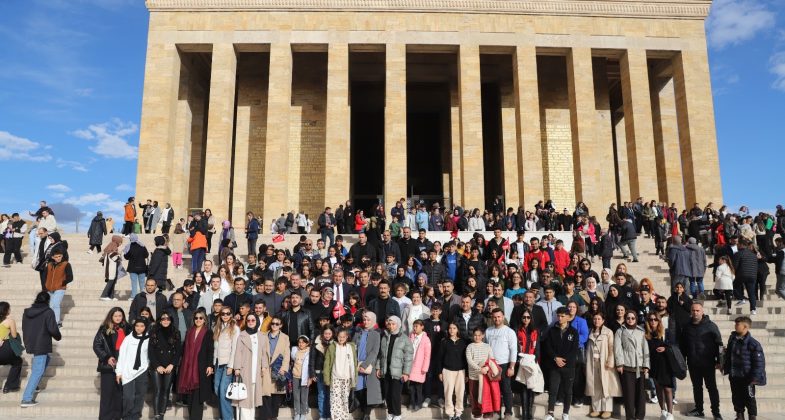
x=602, y=381
x=248, y=363
x=275, y=344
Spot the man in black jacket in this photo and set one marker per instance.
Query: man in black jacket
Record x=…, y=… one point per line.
x=388, y=246
x=38, y=329
x=297, y=320
x=182, y=317
x=362, y=247
x=467, y=319
x=779, y=267
x=433, y=269
x=327, y=225
x=701, y=345
x=408, y=246
x=384, y=306
x=539, y=320
x=560, y=350
x=745, y=262
x=238, y=297
x=150, y=297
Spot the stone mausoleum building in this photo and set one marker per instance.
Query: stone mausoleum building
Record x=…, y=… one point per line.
x=278, y=105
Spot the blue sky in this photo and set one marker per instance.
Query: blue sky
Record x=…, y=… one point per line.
x=71, y=77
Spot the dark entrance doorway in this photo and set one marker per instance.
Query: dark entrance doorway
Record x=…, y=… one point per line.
x=426, y=120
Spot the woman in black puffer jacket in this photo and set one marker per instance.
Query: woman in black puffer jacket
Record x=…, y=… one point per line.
x=106, y=346
x=164, y=353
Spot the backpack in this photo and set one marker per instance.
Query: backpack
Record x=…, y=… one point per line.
x=676, y=362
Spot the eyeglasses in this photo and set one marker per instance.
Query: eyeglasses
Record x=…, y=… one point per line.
x=526, y=317
x=631, y=318
x=653, y=320
x=276, y=324
x=198, y=318
x=250, y=320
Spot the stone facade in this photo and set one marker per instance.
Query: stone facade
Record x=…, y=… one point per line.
x=248, y=103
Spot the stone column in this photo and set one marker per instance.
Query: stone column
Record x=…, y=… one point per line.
x=639, y=128
x=697, y=135
x=395, y=176
x=159, y=114
x=511, y=147
x=594, y=183
x=456, y=170
x=181, y=146
x=338, y=150
x=220, y=129
x=471, y=127
x=528, y=125
x=666, y=142
x=279, y=94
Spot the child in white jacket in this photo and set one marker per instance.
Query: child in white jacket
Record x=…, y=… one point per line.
x=131, y=370
x=723, y=280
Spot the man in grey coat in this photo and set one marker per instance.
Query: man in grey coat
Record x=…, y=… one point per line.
x=394, y=365
x=679, y=262
x=367, y=342
x=698, y=268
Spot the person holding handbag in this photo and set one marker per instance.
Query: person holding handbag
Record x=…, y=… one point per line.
x=247, y=366
x=113, y=269
x=8, y=355
x=340, y=365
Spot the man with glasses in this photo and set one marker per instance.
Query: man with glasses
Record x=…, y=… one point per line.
x=305, y=251
x=560, y=353
x=182, y=317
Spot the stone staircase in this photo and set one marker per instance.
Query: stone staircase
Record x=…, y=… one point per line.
x=70, y=388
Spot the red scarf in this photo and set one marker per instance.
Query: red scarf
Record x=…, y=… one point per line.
x=120, y=337
x=188, y=378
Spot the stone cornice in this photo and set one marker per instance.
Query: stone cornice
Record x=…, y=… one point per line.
x=684, y=9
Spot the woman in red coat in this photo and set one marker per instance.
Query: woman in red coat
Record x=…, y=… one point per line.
x=359, y=221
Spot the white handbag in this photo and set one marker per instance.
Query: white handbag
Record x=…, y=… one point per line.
x=236, y=390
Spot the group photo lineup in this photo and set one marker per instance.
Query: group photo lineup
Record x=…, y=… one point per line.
x=392, y=210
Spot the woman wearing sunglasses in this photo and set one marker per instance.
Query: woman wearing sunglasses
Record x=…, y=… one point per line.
x=196, y=368
x=275, y=347
x=661, y=372
x=164, y=350
x=247, y=365
x=602, y=381
x=225, y=334
x=528, y=343
x=631, y=352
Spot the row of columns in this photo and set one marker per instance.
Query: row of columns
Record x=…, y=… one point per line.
x=523, y=167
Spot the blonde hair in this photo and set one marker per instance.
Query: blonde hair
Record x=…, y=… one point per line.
x=659, y=332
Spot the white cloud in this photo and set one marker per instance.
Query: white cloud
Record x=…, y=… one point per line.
x=61, y=188
x=111, y=138
x=19, y=148
x=124, y=187
x=72, y=164
x=777, y=68
x=87, y=199
x=732, y=22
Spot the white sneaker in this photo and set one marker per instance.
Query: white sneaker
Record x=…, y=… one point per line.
x=565, y=416
x=559, y=403
x=675, y=402
x=663, y=414
x=426, y=403
x=105, y=298
x=114, y=299
x=578, y=404
x=389, y=417
x=397, y=418
x=669, y=417
x=653, y=400
x=90, y=252
x=754, y=312
x=549, y=417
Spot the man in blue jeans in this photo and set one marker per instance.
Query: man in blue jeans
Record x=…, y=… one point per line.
x=38, y=329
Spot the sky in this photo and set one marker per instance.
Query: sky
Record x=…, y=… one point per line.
x=72, y=73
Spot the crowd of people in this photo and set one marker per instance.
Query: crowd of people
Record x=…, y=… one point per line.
x=479, y=326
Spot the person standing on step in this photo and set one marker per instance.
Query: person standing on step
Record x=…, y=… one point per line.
x=631, y=355
x=340, y=365
x=96, y=232
x=225, y=333
x=58, y=275
x=111, y=260
x=15, y=232
x=745, y=365
x=7, y=354
x=560, y=347
x=136, y=254
x=367, y=341
x=504, y=345
x=194, y=377
x=165, y=349
x=131, y=369
x=394, y=365
x=106, y=346
x=38, y=329
x=247, y=365
x=701, y=345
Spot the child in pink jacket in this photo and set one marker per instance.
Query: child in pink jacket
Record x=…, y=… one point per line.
x=422, y=360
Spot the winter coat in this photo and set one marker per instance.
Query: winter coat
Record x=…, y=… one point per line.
x=104, y=347
x=723, y=278
x=329, y=363
x=697, y=260
x=372, y=383
x=127, y=356
x=39, y=328
x=401, y=360
x=700, y=343
x=630, y=349
x=137, y=259
x=679, y=261
x=204, y=359
x=421, y=360
x=304, y=322
x=281, y=349
x=163, y=350
x=97, y=230
x=560, y=344
x=159, y=264
x=746, y=264
x=628, y=231
x=744, y=359
x=243, y=361
x=111, y=264
x=609, y=379
x=465, y=328
x=140, y=301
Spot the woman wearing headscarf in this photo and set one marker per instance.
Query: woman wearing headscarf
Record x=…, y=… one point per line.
x=165, y=351
x=136, y=254
x=194, y=377
x=613, y=299
x=247, y=365
x=106, y=346
x=395, y=364
x=227, y=233
x=131, y=369
x=96, y=232
x=368, y=387
x=111, y=261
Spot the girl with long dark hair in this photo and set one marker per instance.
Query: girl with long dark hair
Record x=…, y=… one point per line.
x=165, y=351
x=194, y=376
x=106, y=346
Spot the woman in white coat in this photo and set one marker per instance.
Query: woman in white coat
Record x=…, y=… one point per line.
x=247, y=365
x=131, y=370
x=723, y=280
